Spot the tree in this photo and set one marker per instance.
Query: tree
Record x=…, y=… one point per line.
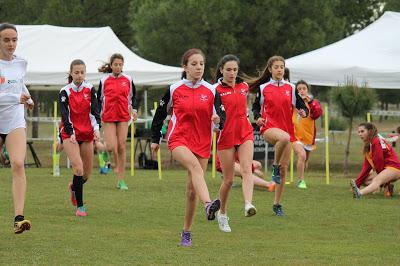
x=254, y=30
x=352, y=101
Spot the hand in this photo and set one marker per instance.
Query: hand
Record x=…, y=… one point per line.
x=97, y=135
x=73, y=139
x=215, y=119
x=261, y=121
x=134, y=115
x=26, y=100
x=154, y=147
x=302, y=113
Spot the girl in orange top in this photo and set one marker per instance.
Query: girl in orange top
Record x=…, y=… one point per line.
x=380, y=157
x=305, y=130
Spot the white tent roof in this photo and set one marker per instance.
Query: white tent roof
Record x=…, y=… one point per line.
x=49, y=51
x=371, y=56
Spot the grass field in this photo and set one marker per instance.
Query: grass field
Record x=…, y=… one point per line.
x=324, y=225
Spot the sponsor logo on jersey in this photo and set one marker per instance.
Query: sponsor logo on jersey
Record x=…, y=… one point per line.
x=287, y=93
x=86, y=96
x=63, y=98
x=225, y=93
x=243, y=91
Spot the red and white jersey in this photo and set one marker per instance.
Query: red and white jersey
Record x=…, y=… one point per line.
x=192, y=106
x=79, y=111
x=381, y=155
x=237, y=128
x=116, y=95
x=276, y=100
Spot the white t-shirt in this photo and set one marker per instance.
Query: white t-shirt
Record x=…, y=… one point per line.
x=12, y=75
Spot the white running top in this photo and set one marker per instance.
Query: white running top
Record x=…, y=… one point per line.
x=12, y=75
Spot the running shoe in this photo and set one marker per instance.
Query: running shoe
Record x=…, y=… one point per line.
x=276, y=173
x=121, y=185
x=355, y=189
x=277, y=209
x=301, y=184
x=249, y=210
x=271, y=187
x=223, y=222
x=103, y=170
x=211, y=208
x=388, y=190
x=72, y=198
x=81, y=211
x=186, y=239
x=21, y=226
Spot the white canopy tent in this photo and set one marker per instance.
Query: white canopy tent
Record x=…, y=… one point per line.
x=371, y=57
x=49, y=51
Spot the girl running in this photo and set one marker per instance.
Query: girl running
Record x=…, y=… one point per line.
x=194, y=105
x=305, y=130
x=117, y=103
x=276, y=99
x=380, y=157
x=80, y=123
x=235, y=138
x=13, y=97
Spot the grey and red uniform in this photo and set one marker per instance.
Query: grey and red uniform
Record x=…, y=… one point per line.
x=116, y=95
x=79, y=111
x=192, y=107
x=237, y=127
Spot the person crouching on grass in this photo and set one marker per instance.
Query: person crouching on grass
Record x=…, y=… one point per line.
x=196, y=109
x=80, y=124
x=378, y=156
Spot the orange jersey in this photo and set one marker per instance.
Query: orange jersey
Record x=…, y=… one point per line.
x=380, y=156
x=304, y=127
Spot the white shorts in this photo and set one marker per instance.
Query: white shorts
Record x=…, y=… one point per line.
x=306, y=147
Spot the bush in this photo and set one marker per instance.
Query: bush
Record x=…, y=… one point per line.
x=337, y=123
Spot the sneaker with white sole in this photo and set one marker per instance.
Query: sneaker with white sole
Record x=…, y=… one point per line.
x=223, y=222
x=249, y=210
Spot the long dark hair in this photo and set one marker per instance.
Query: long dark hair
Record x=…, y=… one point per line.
x=265, y=75
x=106, y=67
x=372, y=132
x=75, y=62
x=225, y=59
x=187, y=55
x=4, y=26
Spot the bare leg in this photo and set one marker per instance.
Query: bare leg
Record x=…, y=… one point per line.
x=110, y=135
x=227, y=159
x=383, y=177
x=16, y=146
x=191, y=199
x=245, y=153
x=86, y=152
x=301, y=159
x=284, y=167
x=188, y=160
x=122, y=133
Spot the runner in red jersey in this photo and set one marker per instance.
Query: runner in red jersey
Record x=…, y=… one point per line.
x=117, y=102
x=80, y=123
x=380, y=157
x=194, y=105
x=275, y=99
x=236, y=137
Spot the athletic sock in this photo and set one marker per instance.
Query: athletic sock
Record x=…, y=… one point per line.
x=77, y=186
x=19, y=218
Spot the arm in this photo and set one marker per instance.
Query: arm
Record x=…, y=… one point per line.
x=94, y=111
x=257, y=105
x=159, y=117
x=315, y=109
x=220, y=110
x=100, y=96
x=64, y=109
x=366, y=168
x=132, y=97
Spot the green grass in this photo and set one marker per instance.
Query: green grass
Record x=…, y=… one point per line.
x=324, y=225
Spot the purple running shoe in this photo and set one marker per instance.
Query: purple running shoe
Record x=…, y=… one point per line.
x=186, y=239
